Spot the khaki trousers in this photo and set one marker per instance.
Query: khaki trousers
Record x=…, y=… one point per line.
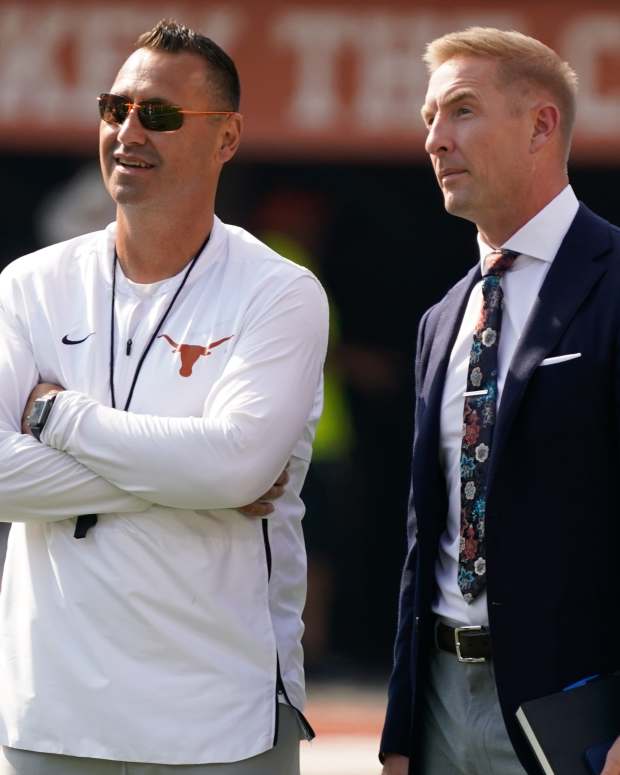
x=281, y=760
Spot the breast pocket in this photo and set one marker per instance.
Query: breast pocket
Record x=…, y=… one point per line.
x=555, y=360
x=568, y=395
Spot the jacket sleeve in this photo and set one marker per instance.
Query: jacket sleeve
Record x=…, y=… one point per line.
x=396, y=737
x=252, y=419
x=36, y=482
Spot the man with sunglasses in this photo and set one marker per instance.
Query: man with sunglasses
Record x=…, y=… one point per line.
x=167, y=370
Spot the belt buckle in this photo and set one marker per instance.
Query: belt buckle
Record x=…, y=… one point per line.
x=457, y=643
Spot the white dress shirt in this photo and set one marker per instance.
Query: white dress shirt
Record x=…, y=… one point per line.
x=537, y=243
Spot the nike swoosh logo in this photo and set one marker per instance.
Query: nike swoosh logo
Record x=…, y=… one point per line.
x=66, y=340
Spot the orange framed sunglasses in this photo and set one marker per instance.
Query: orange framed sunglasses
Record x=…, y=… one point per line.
x=153, y=115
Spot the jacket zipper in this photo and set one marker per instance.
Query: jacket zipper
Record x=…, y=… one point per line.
x=309, y=733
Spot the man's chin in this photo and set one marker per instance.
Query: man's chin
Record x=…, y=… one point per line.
x=457, y=205
x=127, y=195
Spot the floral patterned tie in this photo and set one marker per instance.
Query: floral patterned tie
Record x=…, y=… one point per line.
x=478, y=423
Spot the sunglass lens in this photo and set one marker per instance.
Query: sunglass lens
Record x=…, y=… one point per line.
x=113, y=108
x=156, y=116
x=160, y=117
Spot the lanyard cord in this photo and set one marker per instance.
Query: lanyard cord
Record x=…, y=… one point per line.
x=86, y=521
x=155, y=333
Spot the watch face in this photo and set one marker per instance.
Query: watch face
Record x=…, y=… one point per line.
x=38, y=409
x=40, y=412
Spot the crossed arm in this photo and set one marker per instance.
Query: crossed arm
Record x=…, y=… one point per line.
x=260, y=508
x=230, y=457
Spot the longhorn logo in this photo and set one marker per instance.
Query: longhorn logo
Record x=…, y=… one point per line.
x=191, y=352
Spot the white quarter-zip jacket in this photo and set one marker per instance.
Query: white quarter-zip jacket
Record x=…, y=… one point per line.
x=159, y=636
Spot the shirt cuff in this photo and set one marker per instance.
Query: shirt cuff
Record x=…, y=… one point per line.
x=62, y=418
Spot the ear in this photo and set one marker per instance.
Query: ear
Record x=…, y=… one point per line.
x=545, y=125
x=230, y=137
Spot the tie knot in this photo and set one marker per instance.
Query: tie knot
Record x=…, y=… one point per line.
x=499, y=261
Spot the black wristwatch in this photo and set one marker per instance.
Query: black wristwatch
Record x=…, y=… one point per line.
x=40, y=412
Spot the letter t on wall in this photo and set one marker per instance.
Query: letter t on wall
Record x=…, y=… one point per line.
x=316, y=38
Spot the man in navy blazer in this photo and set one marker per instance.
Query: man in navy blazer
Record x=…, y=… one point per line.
x=500, y=110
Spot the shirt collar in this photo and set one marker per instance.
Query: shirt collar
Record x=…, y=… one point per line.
x=541, y=236
x=212, y=251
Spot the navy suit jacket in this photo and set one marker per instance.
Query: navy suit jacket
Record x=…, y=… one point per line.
x=553, y=503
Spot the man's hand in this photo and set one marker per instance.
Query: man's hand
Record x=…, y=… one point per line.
x=395, y=764
x=40, y=390
x=262, y=507
x=612, y=762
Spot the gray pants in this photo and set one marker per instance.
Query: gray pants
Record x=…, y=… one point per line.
x=281, y=760
x=463, y=729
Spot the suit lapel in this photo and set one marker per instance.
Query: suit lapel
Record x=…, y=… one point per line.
x=575, y=269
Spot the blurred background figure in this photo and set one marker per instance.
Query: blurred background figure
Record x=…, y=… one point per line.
x=332, y=174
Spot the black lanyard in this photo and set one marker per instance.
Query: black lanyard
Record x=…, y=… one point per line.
x=86, y=521
x=155, y=333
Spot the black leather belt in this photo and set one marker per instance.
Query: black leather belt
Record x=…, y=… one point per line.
x=470, y=644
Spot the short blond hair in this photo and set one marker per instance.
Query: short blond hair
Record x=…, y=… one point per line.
x=520, y=59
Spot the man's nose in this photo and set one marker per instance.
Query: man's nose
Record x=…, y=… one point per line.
x=131, y=131
x=439, y=139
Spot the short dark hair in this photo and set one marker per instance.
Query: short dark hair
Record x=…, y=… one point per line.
x=168, y=35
